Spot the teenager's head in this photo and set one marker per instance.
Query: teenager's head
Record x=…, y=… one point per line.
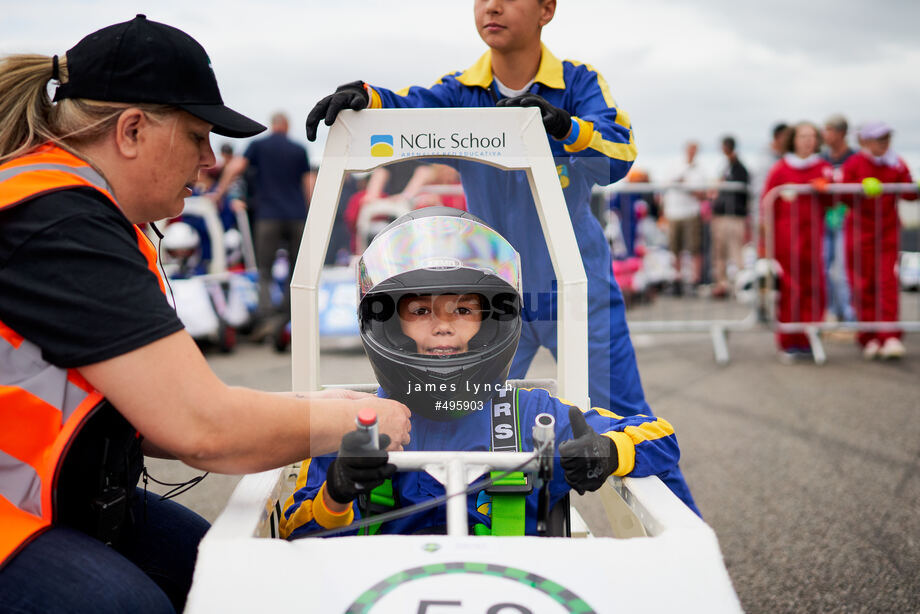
x=511, y=25
x=835, y=131
x=440, y=324
x=439, y=309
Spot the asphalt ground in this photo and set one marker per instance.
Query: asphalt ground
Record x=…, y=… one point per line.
x=809, y=475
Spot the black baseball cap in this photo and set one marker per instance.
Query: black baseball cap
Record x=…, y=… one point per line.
x=142, y=61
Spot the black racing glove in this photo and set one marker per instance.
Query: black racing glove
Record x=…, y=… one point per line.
x=349, y=96
x=589, y=458
x=357, y=470
x=557, y=121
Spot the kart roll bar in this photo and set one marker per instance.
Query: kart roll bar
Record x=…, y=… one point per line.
x=511, y=139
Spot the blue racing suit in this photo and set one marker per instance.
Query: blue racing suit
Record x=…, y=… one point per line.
x=602, y=154
x=645, y=446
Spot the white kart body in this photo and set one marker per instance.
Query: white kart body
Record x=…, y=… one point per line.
x=663, y=559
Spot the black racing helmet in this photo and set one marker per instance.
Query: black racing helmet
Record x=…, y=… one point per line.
x=439, y=251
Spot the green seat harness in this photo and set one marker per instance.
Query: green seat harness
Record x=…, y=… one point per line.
x=509, y=494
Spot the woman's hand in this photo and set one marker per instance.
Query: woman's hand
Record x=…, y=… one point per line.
x=332, y=393
x=392, y=417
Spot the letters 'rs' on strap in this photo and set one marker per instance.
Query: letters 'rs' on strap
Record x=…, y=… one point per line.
x=509, y=494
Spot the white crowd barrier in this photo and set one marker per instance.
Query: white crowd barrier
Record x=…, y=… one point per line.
x=696, y=308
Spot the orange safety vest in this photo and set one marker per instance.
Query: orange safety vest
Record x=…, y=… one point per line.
x=42, y=407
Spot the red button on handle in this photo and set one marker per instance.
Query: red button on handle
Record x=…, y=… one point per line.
x=367, y=417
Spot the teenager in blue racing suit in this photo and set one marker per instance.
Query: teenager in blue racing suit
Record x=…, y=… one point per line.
x=591, y=142
x=464, y=326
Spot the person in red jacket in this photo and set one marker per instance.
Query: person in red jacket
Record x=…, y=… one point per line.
x=872, y=238
x=798, y=227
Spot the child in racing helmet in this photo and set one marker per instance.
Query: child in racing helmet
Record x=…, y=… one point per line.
x=440, y=320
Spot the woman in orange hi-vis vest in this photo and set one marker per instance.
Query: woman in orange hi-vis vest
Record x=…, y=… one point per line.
x=95, y=367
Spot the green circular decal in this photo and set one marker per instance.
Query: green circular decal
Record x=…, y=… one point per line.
x=561, y=595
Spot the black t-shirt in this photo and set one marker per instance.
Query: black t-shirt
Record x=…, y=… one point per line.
x=73, y=281
x=733, y=203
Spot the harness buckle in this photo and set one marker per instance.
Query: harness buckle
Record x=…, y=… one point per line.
x=517, y=483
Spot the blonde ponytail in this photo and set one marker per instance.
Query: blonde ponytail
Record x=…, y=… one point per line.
x=24, y=103
x=28, y=118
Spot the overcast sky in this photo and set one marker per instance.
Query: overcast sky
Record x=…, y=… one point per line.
x=682, y=70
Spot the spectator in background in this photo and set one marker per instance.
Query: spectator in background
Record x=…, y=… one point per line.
x=729, y=214
x=233, y=198
x=798, y=226
x=624, y=210
x=872, y=236
x=402, y=186
x=417, y=192
x=283, y=182
x=390, y=179
x=773, y=152
x=682, y=210
x=339, y=250
x=384, y=182
x=761, y=168
x=226, y=206
x=648, y=203
x=780, y=140
x=226, y=154
x=836, y=153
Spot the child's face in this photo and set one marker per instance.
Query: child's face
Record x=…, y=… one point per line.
x=440, y=325
x=508, y=25
x=878, y=147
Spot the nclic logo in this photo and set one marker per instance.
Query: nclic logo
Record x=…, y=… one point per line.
x=381, y=145
x=384, y=145
x=455, y=141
